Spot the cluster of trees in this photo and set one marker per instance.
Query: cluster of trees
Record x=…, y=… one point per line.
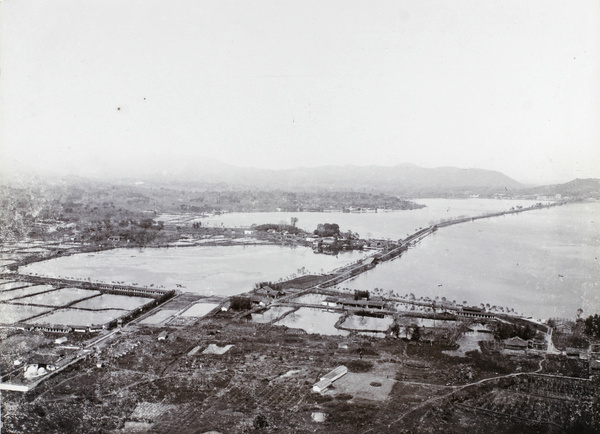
x=279, y=228
x=359, y=294
x=505, y=331
x=275, y=286
x=327, y=230
x=592, y=326
x=241, y=303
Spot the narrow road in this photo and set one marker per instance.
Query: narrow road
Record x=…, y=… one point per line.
x=460, y=388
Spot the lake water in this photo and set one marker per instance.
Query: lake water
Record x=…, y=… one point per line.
x=394, y=225
x=225, y=271
x=543, y=263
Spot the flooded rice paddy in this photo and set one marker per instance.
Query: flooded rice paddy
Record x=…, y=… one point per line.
x=78, y=318
x=113, y=301
x=13, y=313
x=7, y=285
x=158, y=317
x=64, y=306
x=313, y=320
x=366, y=323
x=271, y=314
x=59, y=297
x=23, y=292
x=199, y=309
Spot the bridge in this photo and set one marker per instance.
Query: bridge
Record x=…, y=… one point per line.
x=132, y=290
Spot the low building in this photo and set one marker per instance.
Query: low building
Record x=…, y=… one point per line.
x=516, y=343
x=267, y=291
x=326, y=380
x=162, y=336
x=474, y=312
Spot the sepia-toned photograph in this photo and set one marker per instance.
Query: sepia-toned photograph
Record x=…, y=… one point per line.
x=277, y=216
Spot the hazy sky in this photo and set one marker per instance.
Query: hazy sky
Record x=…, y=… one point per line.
x=512, y=86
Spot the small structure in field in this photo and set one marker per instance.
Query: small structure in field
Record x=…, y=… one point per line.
x=215, y=349
x=329, y=378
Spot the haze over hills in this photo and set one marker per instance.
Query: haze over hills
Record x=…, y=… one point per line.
x=197, y=173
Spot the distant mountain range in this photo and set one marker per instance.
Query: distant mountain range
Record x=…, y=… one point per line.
x=406, y=180
x=402, y=179
x=589, y=188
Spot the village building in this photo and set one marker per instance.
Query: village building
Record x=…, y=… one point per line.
x=516, y=343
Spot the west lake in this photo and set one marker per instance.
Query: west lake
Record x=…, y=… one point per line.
x=543, y=263
x=223, y=270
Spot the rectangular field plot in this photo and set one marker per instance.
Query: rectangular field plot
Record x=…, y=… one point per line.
x=113, y=301
x=271, y=315
x=13, y=285
x=158, y=317
x=357, y=322
x=12, y=313
x=363, y=386
x=310, y=299
x=199, y=309
x=313, y=321
x=76, y=317
x=24, y=292
x=59, y=297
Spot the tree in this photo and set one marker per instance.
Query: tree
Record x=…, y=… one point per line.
x=327, y=230
x=294, y=221
x=592, y=326
x=416, y=333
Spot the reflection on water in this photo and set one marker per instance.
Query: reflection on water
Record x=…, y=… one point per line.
x=271, y=314
x=358, y=322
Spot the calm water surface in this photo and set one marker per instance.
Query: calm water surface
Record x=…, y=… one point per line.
x=226, y=270
x=394, y=225
x=542, y=263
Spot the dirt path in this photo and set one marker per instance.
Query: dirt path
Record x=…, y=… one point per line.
x=455, y=389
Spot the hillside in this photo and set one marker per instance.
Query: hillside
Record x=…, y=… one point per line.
x=193, y=172
x=578, y=188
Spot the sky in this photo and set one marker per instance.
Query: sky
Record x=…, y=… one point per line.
x=512, y=86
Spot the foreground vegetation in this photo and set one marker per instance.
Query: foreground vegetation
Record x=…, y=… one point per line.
x=264, y=384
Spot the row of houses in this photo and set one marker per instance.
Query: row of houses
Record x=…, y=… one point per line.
x=374, y=303
x=516, y=343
